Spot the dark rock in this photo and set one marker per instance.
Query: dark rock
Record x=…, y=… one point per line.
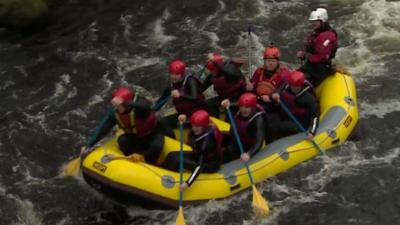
x=21, y=14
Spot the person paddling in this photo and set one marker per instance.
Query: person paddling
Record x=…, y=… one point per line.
x=133, y=115
x=269, y=79
x=299, y=98
x=186, y=93
x=227, y=80
x=250, y=122
x=206, y=142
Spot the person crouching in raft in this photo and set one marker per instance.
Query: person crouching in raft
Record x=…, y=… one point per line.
x=133, y=115
x=250, y=122
x=206, y=142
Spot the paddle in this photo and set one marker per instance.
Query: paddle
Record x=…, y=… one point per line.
x=203, y=69
x=249, y=49
x=300, y=126
x=162, y=102
x=260, y=204
x=180, y=220
x=73, y=166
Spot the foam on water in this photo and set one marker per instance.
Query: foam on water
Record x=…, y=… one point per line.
x=373, y=34
x=2, y=189
x=376, y=33
x=95, y=100
x=212, y=17
x=379, y=109
x=211, y=20
x=39, y=119
x=158, y=35
x=125, y=22
x=62, y=88
x=347, y=165
x=7, y=84
x=125, y=65
x=88, y=36
x=26, y=214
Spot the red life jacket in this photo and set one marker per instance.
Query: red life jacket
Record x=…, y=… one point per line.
x=277, y=79
x=290, y=100
x=227, y=89
x=130, y=124
x=243, y=125
x=184, y=106
x=212, y=130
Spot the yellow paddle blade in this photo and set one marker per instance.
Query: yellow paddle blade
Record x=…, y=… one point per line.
x=72, y=167
x=260, y=205
x=180, y=220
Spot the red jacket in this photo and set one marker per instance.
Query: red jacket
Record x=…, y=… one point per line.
x=322, y=46
x=276, y=79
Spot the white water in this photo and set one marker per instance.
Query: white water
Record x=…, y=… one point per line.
x=26, y=212
x=373, y=33
x=157, y=31
x=379, y=109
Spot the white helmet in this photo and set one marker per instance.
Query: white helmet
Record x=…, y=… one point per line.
x=319, y=14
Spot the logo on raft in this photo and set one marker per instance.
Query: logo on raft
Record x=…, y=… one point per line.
x=347, y=121
x=100, y=167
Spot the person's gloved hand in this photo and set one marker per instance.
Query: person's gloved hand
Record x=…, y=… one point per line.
x=182, y=118
x=225, y=103
x=183, y=187
x=276, y=97
x=136, y=157
x=249, y=86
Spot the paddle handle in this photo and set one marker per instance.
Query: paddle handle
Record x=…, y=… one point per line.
x=235, y=132
x=283, y=105
x=201, y=73
x=249, y=49
x=102, y=123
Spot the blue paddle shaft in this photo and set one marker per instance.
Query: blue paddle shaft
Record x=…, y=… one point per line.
x=181, y=162
x=239, y=143
x=299, y=125
x=161, y=103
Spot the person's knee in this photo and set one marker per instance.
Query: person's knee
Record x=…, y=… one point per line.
x=171, y=162
x=125, y=144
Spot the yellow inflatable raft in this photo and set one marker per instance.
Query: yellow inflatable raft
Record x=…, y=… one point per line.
x=144, y=184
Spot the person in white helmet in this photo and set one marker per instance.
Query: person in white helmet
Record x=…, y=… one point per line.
x=320, y=48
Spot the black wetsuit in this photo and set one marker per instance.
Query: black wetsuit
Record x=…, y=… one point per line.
x=190, y=94
x=204, y=157
x=255, y=129
x=229, y=83
x=305, y=100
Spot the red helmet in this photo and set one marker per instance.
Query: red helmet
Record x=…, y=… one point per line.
x=125, y=93
x=217, y=59
x=272, y=53
x=200, y=118
x=297, y=78
x=248, y=100
x=177, y=67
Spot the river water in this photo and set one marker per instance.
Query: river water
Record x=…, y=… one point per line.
x=55, y=86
